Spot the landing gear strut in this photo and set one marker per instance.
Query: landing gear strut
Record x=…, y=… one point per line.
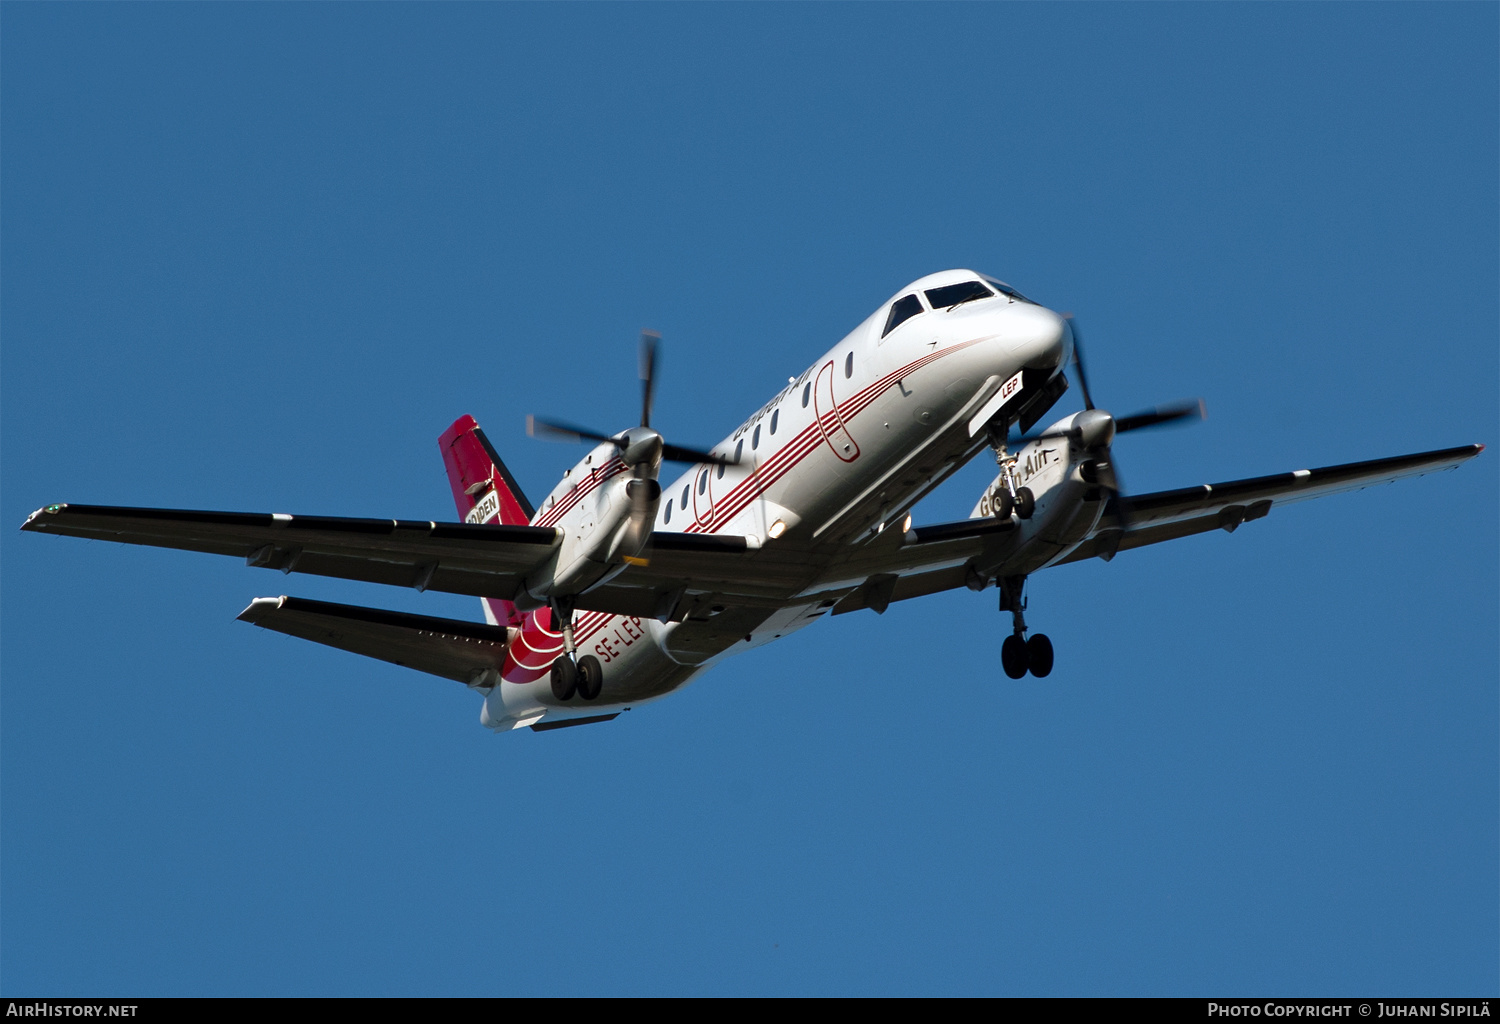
x=1007, y=496
x=1019, y=655
x=571, y=674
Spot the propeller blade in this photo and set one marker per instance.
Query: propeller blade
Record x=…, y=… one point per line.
x=550, y=431
x=649, y=340
x=555, y=431
x=677, y=453
x=1161, y=415
x=1108, y=477
x=1157, y=417
x=1083, y=380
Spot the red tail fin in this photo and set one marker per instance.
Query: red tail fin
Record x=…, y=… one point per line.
x=484, y=492
x=475, y=472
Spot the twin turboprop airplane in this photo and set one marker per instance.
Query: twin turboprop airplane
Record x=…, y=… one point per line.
x=615, y=591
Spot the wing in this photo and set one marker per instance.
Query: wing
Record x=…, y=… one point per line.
x=936, y=558
x=679, y=573
x=1167, y=515
x=686, y=576
x=457, y=558
x=471, y=652
x=682, y=571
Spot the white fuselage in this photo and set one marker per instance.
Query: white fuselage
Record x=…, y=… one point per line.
x=864, y=433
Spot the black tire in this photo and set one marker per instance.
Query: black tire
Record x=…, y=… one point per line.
x=1025, y=503
x=1001, y=503
x=564, y=678
x=1013, y=656
x=1039, y=655
x=590, y=677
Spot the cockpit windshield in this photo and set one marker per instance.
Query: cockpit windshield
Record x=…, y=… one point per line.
x=1007, y=290
x=957, y=294
x=902, y=309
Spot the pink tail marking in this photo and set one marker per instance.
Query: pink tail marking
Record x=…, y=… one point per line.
x=481, y=482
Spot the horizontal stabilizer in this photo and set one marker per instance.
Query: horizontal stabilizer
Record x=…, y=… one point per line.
x=453, y=649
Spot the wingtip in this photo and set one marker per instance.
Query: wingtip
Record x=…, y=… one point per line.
x=259, y=607
x=52, y=509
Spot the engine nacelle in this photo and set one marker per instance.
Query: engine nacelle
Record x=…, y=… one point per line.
x=611, y=526
x=1067, y=506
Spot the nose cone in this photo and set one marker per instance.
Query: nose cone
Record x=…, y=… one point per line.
x=1037, y=336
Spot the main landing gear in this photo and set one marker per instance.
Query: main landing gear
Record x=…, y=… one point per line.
x=571, y=674
x=584, y=677
x=1019, y=655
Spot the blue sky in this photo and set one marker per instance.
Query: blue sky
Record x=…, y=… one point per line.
x=259, y=256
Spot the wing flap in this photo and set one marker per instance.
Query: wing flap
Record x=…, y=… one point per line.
x=449, y=648
x=741, y=567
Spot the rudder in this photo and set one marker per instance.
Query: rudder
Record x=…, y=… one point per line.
x=484, y=492
x=476, y=473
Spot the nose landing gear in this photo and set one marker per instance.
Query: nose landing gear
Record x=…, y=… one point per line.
x=1019, y=655
x=1007, y=496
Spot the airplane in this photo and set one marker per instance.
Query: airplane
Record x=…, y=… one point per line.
x=616, y=591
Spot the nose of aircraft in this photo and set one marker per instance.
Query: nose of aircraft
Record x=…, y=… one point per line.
x=1038, y=336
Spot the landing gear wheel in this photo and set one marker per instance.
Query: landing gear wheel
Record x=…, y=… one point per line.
x=564, y=678
x=1014, y=656
x=1001, y=503
x=1025, y=503
x=590, y=677
x=1039, y=655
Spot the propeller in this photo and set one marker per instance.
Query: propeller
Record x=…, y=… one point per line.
x=1094, y=430
x=1083, y=380
x=1160, y=416
x=641, y=448
x=638, y=445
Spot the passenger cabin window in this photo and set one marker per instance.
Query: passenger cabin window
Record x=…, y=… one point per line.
x=849, y=365
x=774, y=416
x=739, y=446
x=957, y=294
x=667, y=516
x=902, y=310
x=684, y=501
x=720, y=473
x=703, y=481
x=755, y=438
x=806, y=393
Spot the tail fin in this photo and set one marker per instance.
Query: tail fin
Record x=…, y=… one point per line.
x=484, y=492
x=475, y=472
